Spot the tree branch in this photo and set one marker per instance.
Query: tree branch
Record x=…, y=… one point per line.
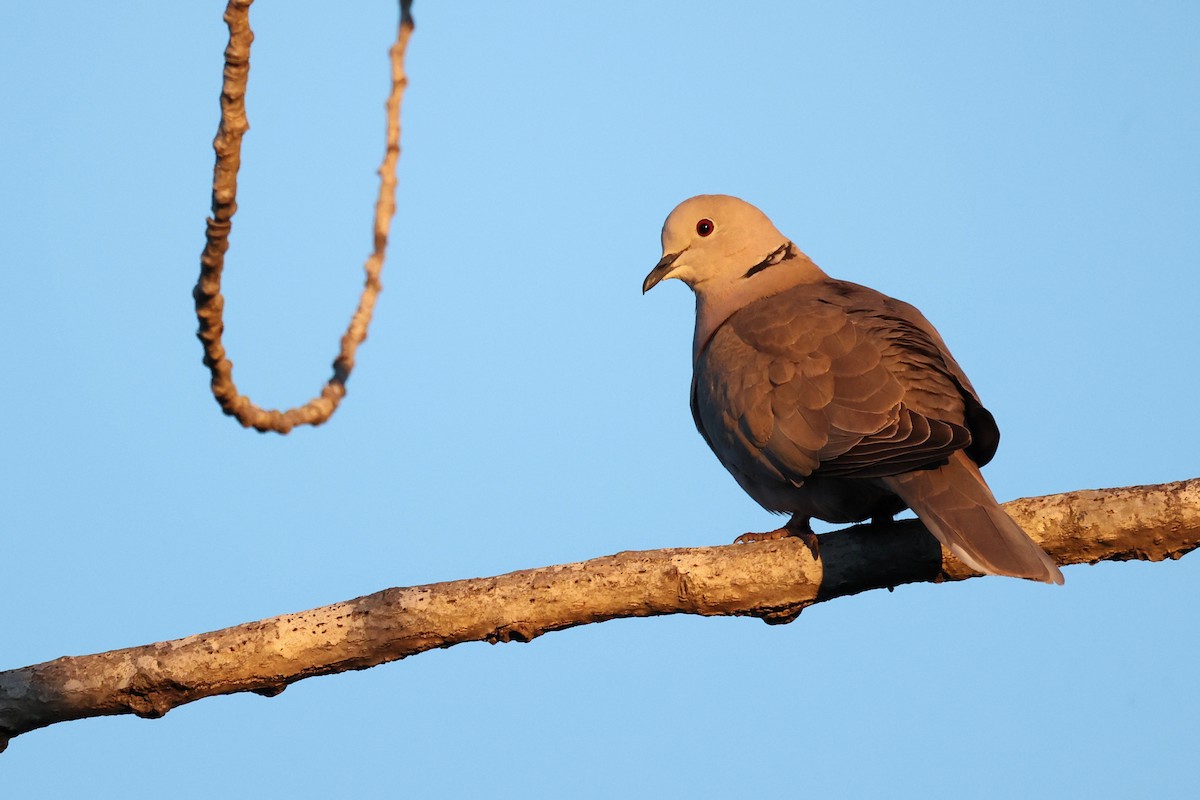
x=771, y=580
x=210, y=304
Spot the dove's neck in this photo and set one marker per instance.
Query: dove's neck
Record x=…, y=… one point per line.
x=717, y=300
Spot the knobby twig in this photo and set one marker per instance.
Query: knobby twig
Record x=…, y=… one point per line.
x=771, y=580
x=209, y=302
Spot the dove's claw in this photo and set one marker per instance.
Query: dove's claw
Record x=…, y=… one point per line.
x=798, y=528
x=768, y=536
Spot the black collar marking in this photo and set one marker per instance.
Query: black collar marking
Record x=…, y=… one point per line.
x=785, y=252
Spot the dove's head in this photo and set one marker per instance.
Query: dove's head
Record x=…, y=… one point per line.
x=712, y=240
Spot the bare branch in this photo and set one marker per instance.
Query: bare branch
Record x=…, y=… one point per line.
x=772, y=580
x=210, y=304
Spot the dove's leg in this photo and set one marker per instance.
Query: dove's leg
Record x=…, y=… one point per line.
x=798, y=526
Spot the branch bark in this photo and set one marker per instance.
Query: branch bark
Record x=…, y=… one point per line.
x=771, y=580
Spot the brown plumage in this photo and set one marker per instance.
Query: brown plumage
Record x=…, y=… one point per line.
x=828, y=399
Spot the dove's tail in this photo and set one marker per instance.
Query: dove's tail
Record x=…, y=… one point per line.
x=959, y=509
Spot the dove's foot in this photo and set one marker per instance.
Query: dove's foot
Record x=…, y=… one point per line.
x=798, y=528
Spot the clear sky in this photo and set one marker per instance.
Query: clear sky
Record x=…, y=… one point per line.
x=1028, y=175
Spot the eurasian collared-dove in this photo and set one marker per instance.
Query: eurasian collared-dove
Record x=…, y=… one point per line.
x=828, y=399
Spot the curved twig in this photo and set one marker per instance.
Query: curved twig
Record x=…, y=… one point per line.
x=209, y=302
x=771, y=580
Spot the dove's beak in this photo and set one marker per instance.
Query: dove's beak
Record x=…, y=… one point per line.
x=661, y=271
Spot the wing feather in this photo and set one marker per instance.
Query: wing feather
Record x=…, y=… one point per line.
x=840, y=381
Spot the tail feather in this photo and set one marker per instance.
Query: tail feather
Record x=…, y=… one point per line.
x=959, y=509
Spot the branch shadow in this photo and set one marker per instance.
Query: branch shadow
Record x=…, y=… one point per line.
x=878, y=556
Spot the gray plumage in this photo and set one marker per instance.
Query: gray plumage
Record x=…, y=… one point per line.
x=831, y=400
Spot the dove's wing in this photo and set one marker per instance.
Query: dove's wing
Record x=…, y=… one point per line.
x=917, y=339
x=812, y=379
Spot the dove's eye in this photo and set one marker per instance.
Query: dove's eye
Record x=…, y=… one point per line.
x=704, y=227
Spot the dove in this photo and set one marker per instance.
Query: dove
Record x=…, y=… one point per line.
x=827, y=399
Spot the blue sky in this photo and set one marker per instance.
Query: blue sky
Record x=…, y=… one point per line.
x=1028, y=176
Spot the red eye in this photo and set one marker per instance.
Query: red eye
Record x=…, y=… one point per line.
x=704, y=227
